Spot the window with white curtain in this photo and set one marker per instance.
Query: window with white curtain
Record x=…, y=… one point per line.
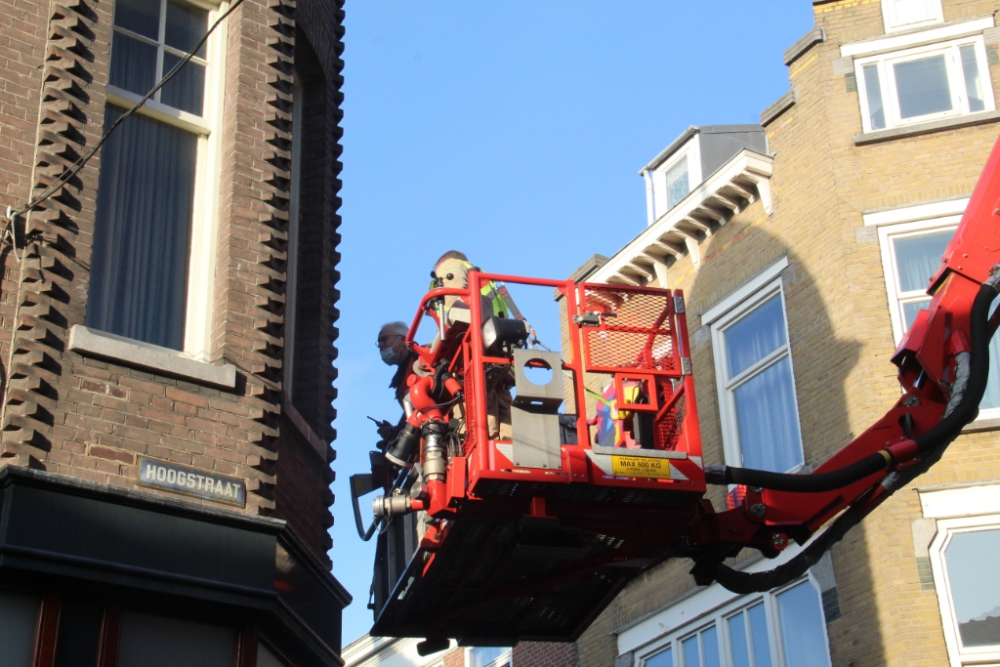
x=153, y=236
x=910, y=14
x=753, y=363
x=678, y=183
x=677, y=175
x=967, y=577
x=783, y=628
x=924, y=83
x=911, y=255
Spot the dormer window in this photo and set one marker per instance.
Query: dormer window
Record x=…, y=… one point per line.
x=910, y=14
x=683, y=166
x=678, y=183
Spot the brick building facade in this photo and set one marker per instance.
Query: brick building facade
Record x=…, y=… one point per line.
x=167, y=331
x=802, y=265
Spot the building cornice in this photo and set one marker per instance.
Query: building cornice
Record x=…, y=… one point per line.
x=742, y=180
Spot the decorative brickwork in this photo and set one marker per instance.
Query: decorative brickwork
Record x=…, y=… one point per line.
x=91, y=418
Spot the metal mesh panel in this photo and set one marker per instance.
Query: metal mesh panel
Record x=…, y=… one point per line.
x=669, y=426
x=636, y=332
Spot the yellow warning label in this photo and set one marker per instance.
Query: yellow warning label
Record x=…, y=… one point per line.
x=640, y=466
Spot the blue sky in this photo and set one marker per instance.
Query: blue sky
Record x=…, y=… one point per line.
x=512, y=131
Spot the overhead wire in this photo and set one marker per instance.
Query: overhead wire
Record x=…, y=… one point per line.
x=73, y=170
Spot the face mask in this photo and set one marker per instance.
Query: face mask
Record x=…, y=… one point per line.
x=391, y=357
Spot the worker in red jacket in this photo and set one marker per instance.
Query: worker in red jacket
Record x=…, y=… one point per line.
x=392, y=348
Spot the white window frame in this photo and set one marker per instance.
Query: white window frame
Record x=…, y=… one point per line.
x=204, y=216
x=956, y=81
x=892, y=25
x=946, y=529
x=690, y=150
x=719, y=318
x=718, y=617
x=913, y=221
x=886, y=234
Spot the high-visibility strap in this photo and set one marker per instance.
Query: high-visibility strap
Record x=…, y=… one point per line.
x=509, y=300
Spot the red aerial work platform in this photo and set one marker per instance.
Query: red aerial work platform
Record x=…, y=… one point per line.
x=493, y=540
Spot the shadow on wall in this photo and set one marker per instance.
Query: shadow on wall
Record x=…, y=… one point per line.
x=775, y=397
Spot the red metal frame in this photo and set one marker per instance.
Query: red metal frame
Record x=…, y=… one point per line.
x=484, y=461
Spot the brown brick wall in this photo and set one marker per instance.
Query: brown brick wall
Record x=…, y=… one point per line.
x=90, y=418
x=839, y=330
x=544, y=654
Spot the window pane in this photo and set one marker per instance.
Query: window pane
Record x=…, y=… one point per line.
x=159, y=641
x=973, y=83
x=18, y=618
x=873, y=87
x=186, y=25
x=186, y=91
x=133, y=64
x=802, y=632
x=710, y=647
x=922, y=86
x=677, y=183
x=768, y=424
x=911, y=11
x=139, y=16
x=692, y=657
x=755, y=336
x=79, y=634
x=918, y=258
x=910, y=310
x=266, y=658
x=974, y=580
x=489, y=655
x=661, y=659
x=138, y=278
x=758, y=636
x=738, y=650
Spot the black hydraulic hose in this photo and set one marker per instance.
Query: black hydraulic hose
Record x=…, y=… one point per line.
x=945, y=431
x=931, y=446
x=744, y=583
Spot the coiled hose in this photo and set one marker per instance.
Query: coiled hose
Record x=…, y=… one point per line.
x=972, y=371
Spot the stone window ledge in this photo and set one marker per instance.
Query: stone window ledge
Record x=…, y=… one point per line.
x=982, y=424
x=956, y=122
x=160, y=360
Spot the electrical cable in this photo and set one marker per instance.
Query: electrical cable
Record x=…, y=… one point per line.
x=931, y=445
x=82, y=160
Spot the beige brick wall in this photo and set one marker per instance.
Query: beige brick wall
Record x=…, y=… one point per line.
x=840, y=333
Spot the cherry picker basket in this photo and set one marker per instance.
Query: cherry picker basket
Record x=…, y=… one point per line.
x=535, y=533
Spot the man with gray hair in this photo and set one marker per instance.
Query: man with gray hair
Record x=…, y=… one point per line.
x=392, y=349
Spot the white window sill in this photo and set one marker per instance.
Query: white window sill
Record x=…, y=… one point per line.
x=161, y=360
x=952, y=123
